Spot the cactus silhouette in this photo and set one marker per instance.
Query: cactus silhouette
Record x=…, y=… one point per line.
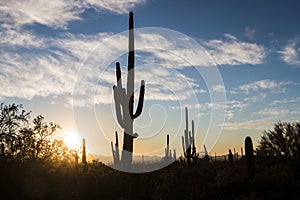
x=249, y=157
x=188, y=141
x=83, y=156
x=168, y=152
x=124, y=100
x=174, y=154
x=167, y=149
x=206, y=156
x=115, y=151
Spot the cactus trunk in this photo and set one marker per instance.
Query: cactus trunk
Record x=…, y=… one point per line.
x=124, y=100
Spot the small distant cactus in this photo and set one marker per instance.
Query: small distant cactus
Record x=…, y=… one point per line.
x=242, y=153
x=230, y=157
x=115, y=151
x=174, y=154
x=249, y=157
x=188, y=141
x=206, y=156
x=83, y=156
x=168, y=152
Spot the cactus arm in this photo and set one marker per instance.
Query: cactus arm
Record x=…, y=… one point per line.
x=186, y=138
x=118, y=75
x=113, y=151
x=183, y=145
x=190, y=138
x=193, y=132
x=141, y=100
x=117, y=91
x=117, y=148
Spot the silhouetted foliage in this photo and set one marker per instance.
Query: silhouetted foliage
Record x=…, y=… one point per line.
x=24, y=141
x=281, y=142
x=12, y=119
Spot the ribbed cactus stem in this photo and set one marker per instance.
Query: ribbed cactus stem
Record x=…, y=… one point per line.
x=124, y=100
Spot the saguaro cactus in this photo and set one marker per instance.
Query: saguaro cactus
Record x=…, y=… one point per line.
x=124, y=100
x=188, y=141
x=83, y=156
x=249, y=157
x=115, y=151
x=167, y=149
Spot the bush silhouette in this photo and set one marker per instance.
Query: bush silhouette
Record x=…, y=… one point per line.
x=281, y=142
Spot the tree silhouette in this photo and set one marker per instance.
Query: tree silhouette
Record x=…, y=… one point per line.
x=22, y=141
x=282, y=142
x=35, y=142
x=12, y=119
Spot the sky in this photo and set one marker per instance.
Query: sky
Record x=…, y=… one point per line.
x=234, y=64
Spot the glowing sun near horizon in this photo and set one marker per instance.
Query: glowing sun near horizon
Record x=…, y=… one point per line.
x=72, y=139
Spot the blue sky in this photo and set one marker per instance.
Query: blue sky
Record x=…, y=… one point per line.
x=57, y=59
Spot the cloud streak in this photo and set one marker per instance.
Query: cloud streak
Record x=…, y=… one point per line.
x=56, y=13
x=290, y=54
x=231, y=51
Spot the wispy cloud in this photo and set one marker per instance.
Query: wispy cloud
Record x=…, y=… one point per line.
x=290, y=53
x=249, y=33
x=285, y=101
x=115, y=6
x=56, y=13
x=218, y=88
x=272, y=112
x=263, y=85
x=12, y=39
x=257, y=124
x=231, y=51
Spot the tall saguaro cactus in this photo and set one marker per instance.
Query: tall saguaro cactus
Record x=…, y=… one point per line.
x=124, y=100
x=188, y=141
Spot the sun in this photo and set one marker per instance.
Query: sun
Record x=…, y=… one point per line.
x=72, y=139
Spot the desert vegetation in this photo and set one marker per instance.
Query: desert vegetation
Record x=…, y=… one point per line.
x=35, y=166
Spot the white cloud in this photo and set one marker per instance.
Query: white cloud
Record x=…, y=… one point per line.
x=218, y=88
x=13, y=39
x=255, y=98
x=257, y=124
x=272, y=112
x=26, y=77
x=235, y=52
x=285, y=101
x=115, y=6
x=290, y=53
x=262, y=85
x=56, y=13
